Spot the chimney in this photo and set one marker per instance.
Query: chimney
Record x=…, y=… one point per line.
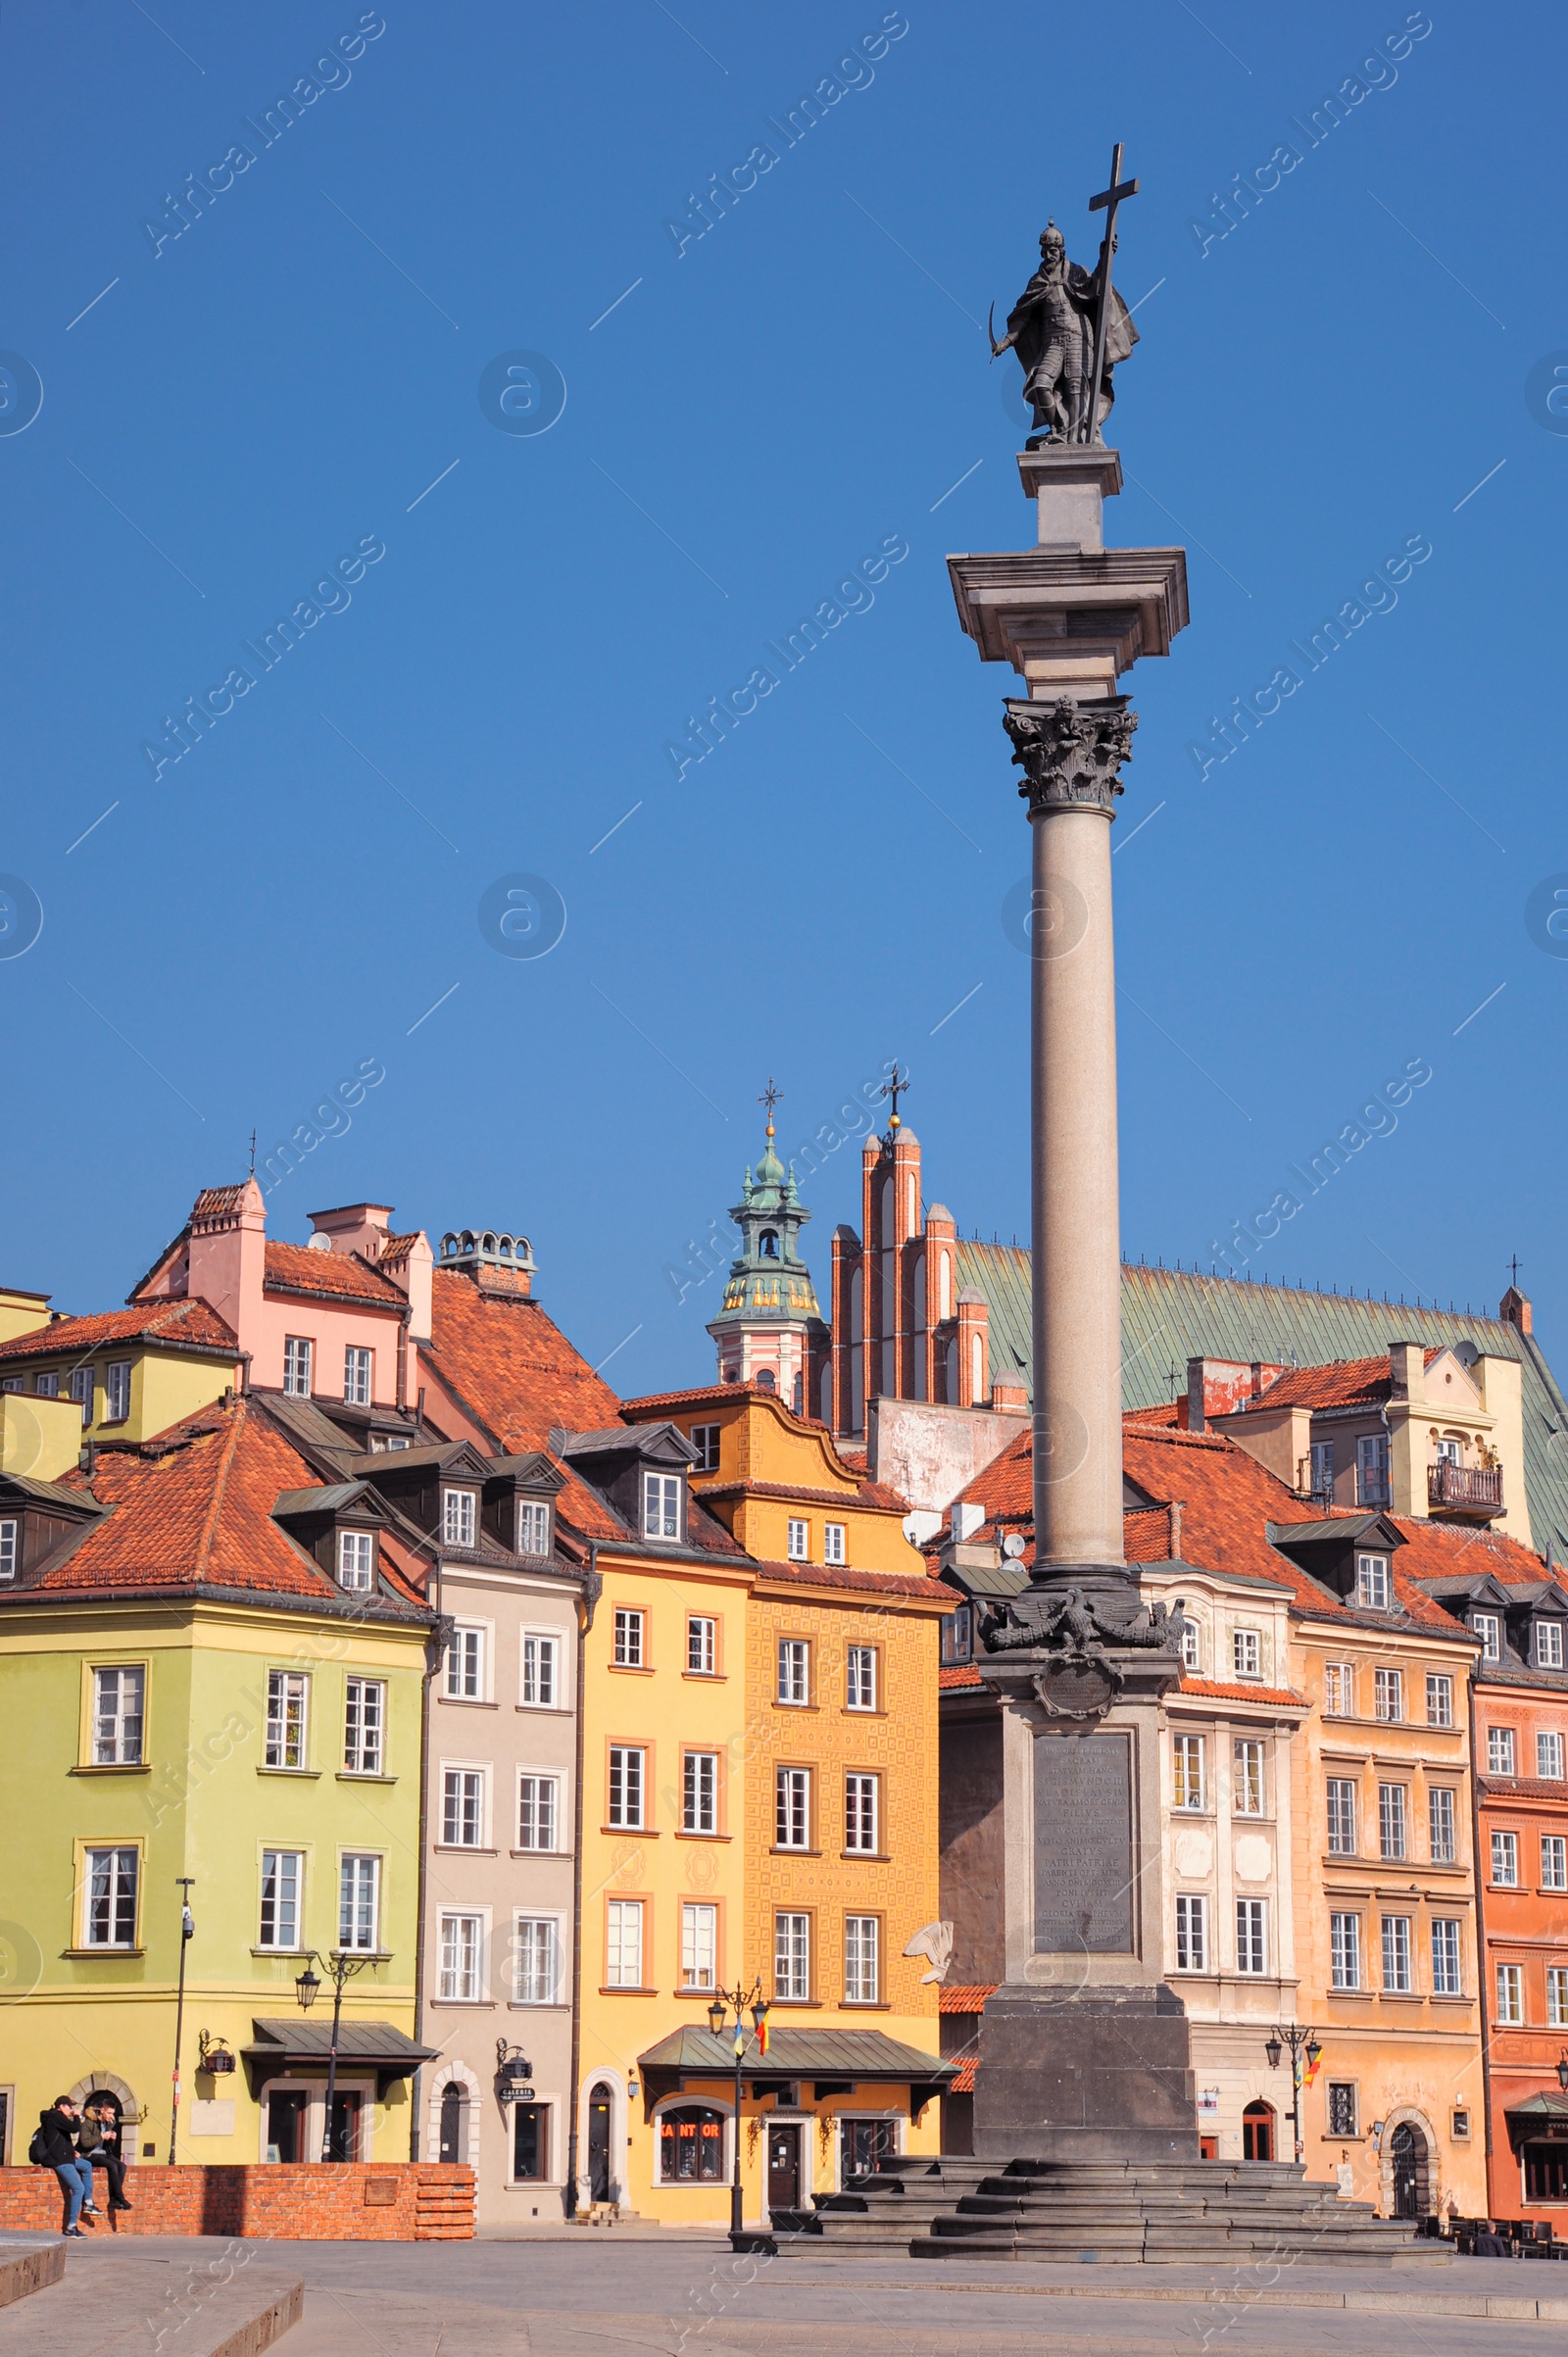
x=1515, y=1310
x=227, y=1257
x=498, y=1265
x=967, y=1520
x=1174, y=1510
x=1197, y=1420
x=1407, y=1372
x=355, y=1228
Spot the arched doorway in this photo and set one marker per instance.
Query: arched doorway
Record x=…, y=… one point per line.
x=1408, y=2152
x=1257, y=2131
x=601, y=2106
x=454, y=2122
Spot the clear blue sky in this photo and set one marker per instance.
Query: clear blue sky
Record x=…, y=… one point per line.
x=282, y=382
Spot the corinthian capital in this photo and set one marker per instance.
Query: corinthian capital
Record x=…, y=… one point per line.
x=1069, y=752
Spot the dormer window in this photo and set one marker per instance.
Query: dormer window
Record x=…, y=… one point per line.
x=1191, y=1644
x=356, y=1559
x=1246, y=1652
x=1548, y=1645
x=1372, y=1584
x=1487, y=1626
x=533, y=1527
x=662, y=1505
x=456, y=1517
x=10, y=1546
x=768, y=1244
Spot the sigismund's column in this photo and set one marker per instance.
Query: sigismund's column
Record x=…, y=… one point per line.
x=1084, y=2051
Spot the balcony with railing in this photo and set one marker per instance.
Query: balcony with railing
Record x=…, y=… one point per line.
x=1465, y=1492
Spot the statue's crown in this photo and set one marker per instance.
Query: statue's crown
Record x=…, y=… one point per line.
x=1052, y=236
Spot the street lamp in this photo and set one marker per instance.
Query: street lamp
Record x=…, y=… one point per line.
x=342, y=1968
x=1304, y=2045
x=740, y=2000
x=1562, y=2070
x=187, y=1933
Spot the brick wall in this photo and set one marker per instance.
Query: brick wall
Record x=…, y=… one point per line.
x=311, y=2203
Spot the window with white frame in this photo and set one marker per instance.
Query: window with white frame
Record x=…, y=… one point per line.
x=792, y=1958
x=541, y=1670
x=1191, y=1644
x=626, y=1651
x=458, y=1973
x=1186, y=1756
x=1557, y=1996
x=117, y=1699
x=1372, y=1470
x=698, y=1945
x=791, y=1809
x=1487, y=1626
x=702, y=1652
x=10, y=1546
x=1342, y=1817
x=1344, y=1951
x=862, y=1934
x=538, y=1811
x=288, y=1694
x=457, y=1517
x=704, y=1440
x=299, y=1353
x=1251, y=1942
x=699, y=1795
x=1246, y=1777
x=859, y=1680
x=110, y=1914
x=463, y=1808
x=1506, y=1861
x=358, y=1905
x=1548, y=1645
x=1441, y=1825
x=1388, y=1695
x=1339, y=1689
x=1343, y=2114
x=1446, y=1981
x=532, y=1535
x=1440, y=1700
x=794, y=1671
x=628, y=1765
x=1397, y=1954
x=662, y=1505
x=860, y=1813
x=116, y=1391
x=1246, y=1652
x=363, y=1726
x=47, y=1386
x=1500, y=1752
x=1192, y=1933
x=356, y=1559
x=833, y=1542
x=1548, y=1754
x=356, y=1376
x=283, y=1890
x=624, y=1948
x=1372, y=1589
x=1391, y=1838
x=1554, y=1862
x=1321, y=1456
x=800, y=1540
x=465, y=1664
x=536, y=1971
x=1512, y=1994
x=82, y=1390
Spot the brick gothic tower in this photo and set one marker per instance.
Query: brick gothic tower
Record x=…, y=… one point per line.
x=769, y=1330
x=897, y=1316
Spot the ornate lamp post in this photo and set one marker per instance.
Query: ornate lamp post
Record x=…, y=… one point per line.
x=342, y=1968
x=1304, y=2045
x=740, y=1999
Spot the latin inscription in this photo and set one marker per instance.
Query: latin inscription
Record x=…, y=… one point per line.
x=1083, y=1845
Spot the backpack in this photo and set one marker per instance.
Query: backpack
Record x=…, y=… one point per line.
x=35, y=2151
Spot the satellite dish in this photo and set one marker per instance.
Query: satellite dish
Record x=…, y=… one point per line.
x=318, y=1241
x=1012, y=1546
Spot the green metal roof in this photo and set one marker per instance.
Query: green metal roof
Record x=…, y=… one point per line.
x=859, y=2054
x=1171, y=1315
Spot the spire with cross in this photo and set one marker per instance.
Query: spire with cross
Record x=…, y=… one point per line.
x=770, y=1096
x=895, y=1086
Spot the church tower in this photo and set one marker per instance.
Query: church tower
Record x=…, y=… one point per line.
x=769, y=1330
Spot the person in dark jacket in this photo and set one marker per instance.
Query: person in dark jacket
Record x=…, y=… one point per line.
x=98, y=2142
x=58, y=2129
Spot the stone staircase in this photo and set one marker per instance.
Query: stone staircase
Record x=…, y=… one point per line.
x=81, y=2299
x=1057, y=2211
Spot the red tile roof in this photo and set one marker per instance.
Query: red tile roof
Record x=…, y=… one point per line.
x=193, y=1507
x=189, y=1320
x=1521, y=1788
x=1342, y=1383
x=966, y=1996
x=869, y=1493
x=962, y=2080
x=1245, y=1693
x=1449, y=1551
x=343, y=1274
x=964, y=1675
x=839, y=1575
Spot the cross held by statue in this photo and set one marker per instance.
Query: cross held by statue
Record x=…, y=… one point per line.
x=1105, y=202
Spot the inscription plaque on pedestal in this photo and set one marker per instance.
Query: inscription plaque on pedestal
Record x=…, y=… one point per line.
x=1083, y=1843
